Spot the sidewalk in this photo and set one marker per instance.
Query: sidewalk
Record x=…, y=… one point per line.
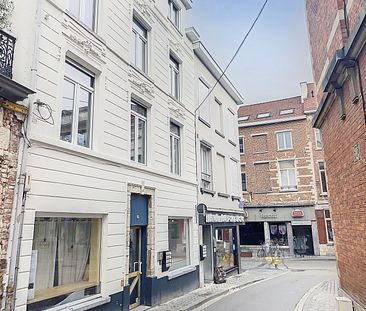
x=200, y=296
x=321, y=297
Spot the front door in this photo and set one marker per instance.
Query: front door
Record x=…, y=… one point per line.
x=303, y=240
x=135, y=266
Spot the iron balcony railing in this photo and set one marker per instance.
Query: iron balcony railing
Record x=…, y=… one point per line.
x=7, y=43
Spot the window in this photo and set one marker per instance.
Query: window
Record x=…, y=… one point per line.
x=220, y=181
x=288, y=175
x=85, y=11
x=323, y=178
x=262, y=178
x=174, y=77
x=284, y=140
x=244, y=118
x=217, y=114
x=232, y=126
x=234, y=177
x=174, y=13
x=138, y=132
x=260, y=143
x=139, y=48
x=179, y=242
x=244, y=182
x=318, y=139
x=65, y=261
x=174, y=148
x=206, y=174
x=278, y=233
x=241, y=145
x=203, y=91
x=286, y=111
x=263, y=115
x=77, y=105
x=328, y=225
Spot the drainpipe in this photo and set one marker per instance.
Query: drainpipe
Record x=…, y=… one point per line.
x=21, y=195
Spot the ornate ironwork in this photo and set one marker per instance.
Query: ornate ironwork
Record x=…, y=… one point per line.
x=7, y=43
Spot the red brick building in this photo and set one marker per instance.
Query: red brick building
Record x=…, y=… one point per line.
x=337, y=39
x=283, y=177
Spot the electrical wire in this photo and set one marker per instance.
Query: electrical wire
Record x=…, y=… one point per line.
x=236, y=53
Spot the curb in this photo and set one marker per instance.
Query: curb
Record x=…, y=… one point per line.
x=301, y=304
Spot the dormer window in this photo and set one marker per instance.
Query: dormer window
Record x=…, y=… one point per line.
x=286, y=111
x=244, y=118
x=263, y=115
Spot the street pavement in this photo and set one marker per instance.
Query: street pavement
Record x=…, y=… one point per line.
x=297, y=285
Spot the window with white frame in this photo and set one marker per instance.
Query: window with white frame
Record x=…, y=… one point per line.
x=284, y=140
x=323, y=178
x=232, y=126
x=85, y=11
x=175, y=148
x=174, y=67
x=65, y=261
x=206, y=167
x=138, y=132
x=203, y=100
x=241, y=145
x=77, y=105
x=318, y=139
x=286, y=111
x=179, y=242
x=174, y=13
x=139, y=45
x=288, y=175
x=263, y=115
x=328, y=225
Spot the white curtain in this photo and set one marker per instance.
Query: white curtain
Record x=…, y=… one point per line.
x=45, y=241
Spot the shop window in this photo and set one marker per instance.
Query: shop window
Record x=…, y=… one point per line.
x=179, y=242
x=225, y=248
x=252, y=233
x=65, y=261
x=278, y=233
x=328, y=225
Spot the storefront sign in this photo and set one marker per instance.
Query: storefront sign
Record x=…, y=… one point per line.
x=271, y=215
x=224, y=218
x=301, y=223
x=297, y=213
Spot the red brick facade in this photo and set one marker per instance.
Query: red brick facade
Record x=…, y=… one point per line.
x=341, y=118
x=10, y=133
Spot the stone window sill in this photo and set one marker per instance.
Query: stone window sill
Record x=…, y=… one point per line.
x=179, y=272
x=223, y=195
x=203, y=190
x=204, y=122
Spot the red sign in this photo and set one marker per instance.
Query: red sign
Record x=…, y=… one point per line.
x=246, y=214
x=297, y=213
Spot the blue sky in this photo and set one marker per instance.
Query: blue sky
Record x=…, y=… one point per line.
x=274, y=59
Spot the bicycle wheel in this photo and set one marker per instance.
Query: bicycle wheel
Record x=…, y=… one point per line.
x=260, y=253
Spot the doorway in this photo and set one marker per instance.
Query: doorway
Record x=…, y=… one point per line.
x=303, y=240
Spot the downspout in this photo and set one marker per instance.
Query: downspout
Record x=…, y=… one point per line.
x=21, y=195
x=345, y=17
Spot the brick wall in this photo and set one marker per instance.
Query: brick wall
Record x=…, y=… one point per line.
x=10, y=132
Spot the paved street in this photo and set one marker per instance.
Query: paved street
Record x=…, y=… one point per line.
x=283, y=293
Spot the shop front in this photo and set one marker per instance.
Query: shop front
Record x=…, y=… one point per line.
x=220, y=237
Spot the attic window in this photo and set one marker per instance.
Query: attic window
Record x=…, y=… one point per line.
x=287, y=111
x=263, y=115
x=244, y=118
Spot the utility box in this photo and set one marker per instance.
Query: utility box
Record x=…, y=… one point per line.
x=344, y=304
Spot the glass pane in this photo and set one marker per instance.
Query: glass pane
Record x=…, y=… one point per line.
x=284, y=179
x=74, y=7
x=141, y=141
x=84, y=118
x=171, y=154
x=327, y=213
x=281, y=141
x=78, y=75
x=179, y=242
x=134, y=250
x=330, y=230
x=66, y=253
x=143, y=56
x=138, y=28
x=67, y=111
x=225, y=248
x=287, y=164
x=292, y=177
x=288, y=140
x=89, y=13
x=176, y=155
x=321, y=165
x=174, y=129
x=133, y=133
x=139, y=109
x=324, y=182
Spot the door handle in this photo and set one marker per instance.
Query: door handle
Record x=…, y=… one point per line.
x=134, y=266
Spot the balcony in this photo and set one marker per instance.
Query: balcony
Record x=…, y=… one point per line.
x=7, y=43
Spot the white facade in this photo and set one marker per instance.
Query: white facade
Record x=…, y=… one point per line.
x=73, y=181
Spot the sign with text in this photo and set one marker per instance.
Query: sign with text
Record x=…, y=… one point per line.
x=297, y=213
x=224, y=218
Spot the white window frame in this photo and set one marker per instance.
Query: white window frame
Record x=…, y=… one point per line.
x=136, y=20
x=206, y=181
x=263, y=115
x=137, y=118
x=318, y=133
x=77, y=87
x=243, y=144
x=287, y=188
x=278, y=134
x=81, y=14
x=286, y=111
x=174, y=169
x=174, y=72
x=175, y=9
x=243, y=118
x=326, y=219
x=320, y=178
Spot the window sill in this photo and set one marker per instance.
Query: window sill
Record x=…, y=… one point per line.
x=260, y=152
x=324, y=194
x=176, y=100
x=144, y=74
x=83, y=304
x=231, y=142
x=235, y=197
x=288, y=149
x=204, y=122
x=175, y=27
x=289, y=190
x=85, y=27
x=203, y=190
x=179, y=272
x=330, y=244
x=219, y=133
x=223, y=195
